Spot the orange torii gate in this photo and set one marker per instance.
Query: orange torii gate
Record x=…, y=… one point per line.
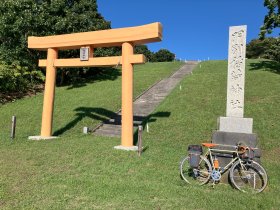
x=125, y=37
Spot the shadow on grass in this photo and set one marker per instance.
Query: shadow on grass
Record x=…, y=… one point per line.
x=266, y=65
x=94, y=75
x=99, y=114
x=108, y=117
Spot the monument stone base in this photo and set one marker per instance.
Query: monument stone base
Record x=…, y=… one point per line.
x=235, y=124
x=232, y=139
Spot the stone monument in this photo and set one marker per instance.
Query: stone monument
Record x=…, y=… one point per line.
x=234, y=121
x=234, y=128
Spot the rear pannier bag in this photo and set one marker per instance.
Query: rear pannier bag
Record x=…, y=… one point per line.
x=194, y=153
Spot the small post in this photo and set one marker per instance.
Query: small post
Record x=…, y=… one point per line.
x=85, y=130
x=13, y=131
x=148, y=130
x=140, y=129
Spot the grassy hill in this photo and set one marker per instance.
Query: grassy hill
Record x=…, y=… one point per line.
x=79, y=171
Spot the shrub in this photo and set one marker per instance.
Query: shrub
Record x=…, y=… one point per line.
x=163, y=55
x=266, y=48
x=15, y=78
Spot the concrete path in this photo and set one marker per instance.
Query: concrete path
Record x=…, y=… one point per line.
x=146, y=103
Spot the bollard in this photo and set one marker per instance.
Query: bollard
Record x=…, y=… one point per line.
x=140, y=129
x=13, y=130
x=85, y=130
x=148, y=130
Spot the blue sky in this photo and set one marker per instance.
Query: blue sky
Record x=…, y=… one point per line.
x=192, y=29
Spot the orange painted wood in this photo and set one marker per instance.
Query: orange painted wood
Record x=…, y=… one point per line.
x=104, y=38
x=91, y=51
x=47, y=114
x=127, y=95
x=100, y=61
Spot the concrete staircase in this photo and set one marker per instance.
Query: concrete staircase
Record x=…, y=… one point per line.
x=146, y=103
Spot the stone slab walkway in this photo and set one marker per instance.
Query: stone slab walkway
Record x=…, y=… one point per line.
x=146, y=103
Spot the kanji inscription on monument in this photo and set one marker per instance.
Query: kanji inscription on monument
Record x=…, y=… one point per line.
x=234, y=120
x=236, y=71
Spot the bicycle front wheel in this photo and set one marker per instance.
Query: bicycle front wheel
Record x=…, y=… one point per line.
x=199, y=175
x=248, y=176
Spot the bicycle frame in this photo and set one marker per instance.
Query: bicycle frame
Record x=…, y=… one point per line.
x=210, y=152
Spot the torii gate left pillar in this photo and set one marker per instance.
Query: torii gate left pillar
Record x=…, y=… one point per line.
x=48, y=104
x=125, y=37
x=127, y=96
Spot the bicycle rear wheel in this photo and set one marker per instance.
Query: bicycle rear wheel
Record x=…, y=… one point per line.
x=248, y=176
x=199, y=175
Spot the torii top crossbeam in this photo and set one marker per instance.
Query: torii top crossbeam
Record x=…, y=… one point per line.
x=104, y=38
x=125, y=37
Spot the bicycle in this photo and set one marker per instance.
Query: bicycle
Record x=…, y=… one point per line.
x=245, y=174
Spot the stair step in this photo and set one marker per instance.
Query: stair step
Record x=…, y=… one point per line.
x=146, y=103
x=110, y=133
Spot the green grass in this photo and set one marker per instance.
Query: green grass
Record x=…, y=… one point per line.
x=80, y=105
x=79, y=171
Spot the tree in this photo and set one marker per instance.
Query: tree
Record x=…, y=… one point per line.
x=22, y=18
x=273, y=52
x=163, y=55
x=257, y=48
x=266, y=48
x=272, y=19
x=143, y=49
